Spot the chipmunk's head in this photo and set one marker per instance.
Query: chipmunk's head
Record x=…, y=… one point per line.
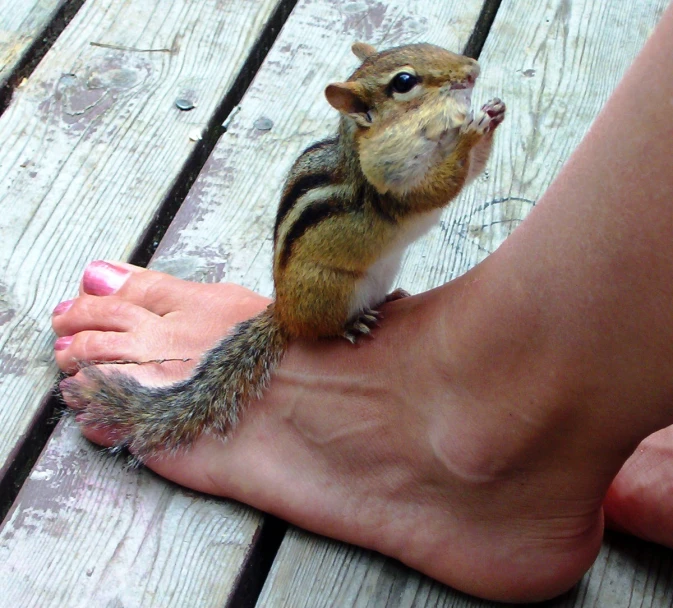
x=399, y=80
x=403, y=107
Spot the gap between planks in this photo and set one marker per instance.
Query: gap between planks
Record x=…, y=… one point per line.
x=33, y=54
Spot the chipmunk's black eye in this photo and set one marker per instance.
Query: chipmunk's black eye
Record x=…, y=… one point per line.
x=403, y=82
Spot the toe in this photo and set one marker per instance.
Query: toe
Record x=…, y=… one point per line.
x=162, y=294
x=101, y=314
x=100, y=436
x=88, y=346
x=155, y=291
x=103, y=278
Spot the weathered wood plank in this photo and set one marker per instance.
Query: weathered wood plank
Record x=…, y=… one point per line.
x=21, y=23
x=555, y=64
x=312, y=572
x=89, y=148
x=155, y=544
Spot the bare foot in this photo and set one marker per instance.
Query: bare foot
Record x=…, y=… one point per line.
x=148, y=318
x=387, y=445
x=639, y=500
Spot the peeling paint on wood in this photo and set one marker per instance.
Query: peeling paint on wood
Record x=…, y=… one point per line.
x=155, y=544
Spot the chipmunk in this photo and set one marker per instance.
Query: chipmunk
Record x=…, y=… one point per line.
x=407, y=143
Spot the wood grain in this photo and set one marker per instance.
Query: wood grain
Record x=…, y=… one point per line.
x=21, y=23
x=555, y=64
x=89, y=148
x=313, y=572
x=87, y=532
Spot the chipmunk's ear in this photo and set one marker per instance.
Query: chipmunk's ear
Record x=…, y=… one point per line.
x=362, y=50
x=348, y=98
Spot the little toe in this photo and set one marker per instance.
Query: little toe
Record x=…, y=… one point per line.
x=101, y=314
x=104, y=437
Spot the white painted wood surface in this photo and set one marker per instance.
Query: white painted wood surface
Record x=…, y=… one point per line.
x=21, y=23
x=89, y=148
x=86, y=533
x=554, y=63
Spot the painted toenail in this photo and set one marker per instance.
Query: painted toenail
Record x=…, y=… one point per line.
x=102, y=278
x=63, y=307
x=63, y=343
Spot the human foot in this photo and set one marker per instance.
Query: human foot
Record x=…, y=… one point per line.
x=151, y=317
x=387, y=445
x=639, y=499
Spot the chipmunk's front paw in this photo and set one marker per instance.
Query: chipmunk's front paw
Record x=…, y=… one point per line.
x=495, y=109
x=487, y=119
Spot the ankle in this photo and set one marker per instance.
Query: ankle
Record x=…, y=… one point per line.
x=497, y=375
x=528, y=375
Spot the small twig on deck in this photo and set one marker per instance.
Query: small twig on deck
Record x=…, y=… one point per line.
x=131, y=49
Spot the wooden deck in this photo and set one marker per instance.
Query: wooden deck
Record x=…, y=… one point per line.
x=96, y=161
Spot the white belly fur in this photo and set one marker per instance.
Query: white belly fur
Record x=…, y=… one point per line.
x=374, y=288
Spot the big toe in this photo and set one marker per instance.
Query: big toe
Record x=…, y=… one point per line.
x=157, y=292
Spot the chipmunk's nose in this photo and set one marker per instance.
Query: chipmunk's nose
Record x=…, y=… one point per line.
x=471, y=71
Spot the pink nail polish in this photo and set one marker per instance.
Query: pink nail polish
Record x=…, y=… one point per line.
x=63, y=307
x=63, y=342
x=103, y=279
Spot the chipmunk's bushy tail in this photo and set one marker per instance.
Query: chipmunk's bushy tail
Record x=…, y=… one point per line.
x=153, y=419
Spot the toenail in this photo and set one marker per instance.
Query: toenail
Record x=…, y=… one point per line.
x=63, y=343
x=102, y=278
x=63, y=307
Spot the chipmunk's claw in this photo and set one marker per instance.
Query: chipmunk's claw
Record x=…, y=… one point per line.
x=397, y=294
x=495, y=109
x=361, y=325
x=490, y=116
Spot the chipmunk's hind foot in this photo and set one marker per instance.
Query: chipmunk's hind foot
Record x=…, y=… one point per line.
x=361, y=325
x=397, y=294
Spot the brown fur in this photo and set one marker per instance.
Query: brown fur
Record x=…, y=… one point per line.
x=344, y=205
